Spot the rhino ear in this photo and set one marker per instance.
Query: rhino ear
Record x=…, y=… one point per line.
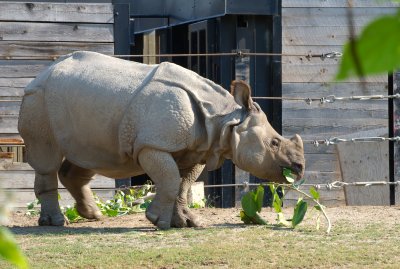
x=241, y=91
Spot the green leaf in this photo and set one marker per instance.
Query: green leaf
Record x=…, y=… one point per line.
x=249, y=205
x=314, y=193
x=282, y=220
x=299, y=212
x=72, y=214
x=259, y=195
x=287, y=173
x=9, y=250
x=259, y=220
x=377, y=48
x=244, y=217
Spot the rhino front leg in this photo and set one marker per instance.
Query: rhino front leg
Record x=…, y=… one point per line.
x=164, y=172
x=76, y=179
x=182, y=216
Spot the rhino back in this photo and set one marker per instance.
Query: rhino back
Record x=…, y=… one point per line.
x=86, y=95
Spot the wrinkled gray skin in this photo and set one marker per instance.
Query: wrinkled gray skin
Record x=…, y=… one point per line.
x=93, y=114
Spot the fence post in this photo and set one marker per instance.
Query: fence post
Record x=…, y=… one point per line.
x=394, y=130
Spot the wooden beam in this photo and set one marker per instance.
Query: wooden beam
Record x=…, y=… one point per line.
x=57, y=12
x=336, y=3
x=56, y=32
x=45, y=49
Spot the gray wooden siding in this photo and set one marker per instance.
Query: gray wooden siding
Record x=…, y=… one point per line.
x=42, y=30
x=315, y=27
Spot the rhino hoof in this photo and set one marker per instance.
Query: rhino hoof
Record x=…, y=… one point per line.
x=47, y=220
x=184, y=218
x=89, y=211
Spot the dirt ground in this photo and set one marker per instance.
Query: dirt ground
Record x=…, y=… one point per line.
x=216, y=217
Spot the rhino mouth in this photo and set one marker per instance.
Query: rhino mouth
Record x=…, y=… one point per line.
x=296, y=169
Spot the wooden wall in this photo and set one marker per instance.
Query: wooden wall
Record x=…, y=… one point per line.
x=42, y=30
x=320, y=26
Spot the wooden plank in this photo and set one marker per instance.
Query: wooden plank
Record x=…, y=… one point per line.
x=337, y=3
x=318, y=90
x=19, y=198
x=322, y=162
x=309, y=49
x=22, y=179
x=318, y=72
x=358, y=113
x=57, y=32
x=339, y=109
x=9, y=108
x=57, y=12
x=327, y=16
x=45, y=49
x=322, y=128
x=8, y=124
x=365, y=162
x=13, y=87
x=22, y=68
x=316, y=35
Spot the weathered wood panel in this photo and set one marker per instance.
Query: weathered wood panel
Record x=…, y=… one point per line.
x=322, y=162
x=13, y=87
x=319, y=72
x=319, y=128
x=56, y=12
x=328, y=16
x=336, y=3
x=316, y=35
x=19, y=198
x=366, y=162
x=57, y=32
x=8, y=124
x=22, y=68
x=318, y=90
x=23, y=179
x=46, y=49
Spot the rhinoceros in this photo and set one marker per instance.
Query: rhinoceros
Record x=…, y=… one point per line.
x=90, y=114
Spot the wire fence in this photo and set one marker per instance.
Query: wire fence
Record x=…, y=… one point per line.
x=315, y=142
x=239, y=53
x=330, y=99
x=335, y=185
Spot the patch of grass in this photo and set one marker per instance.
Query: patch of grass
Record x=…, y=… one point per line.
x=373, y=245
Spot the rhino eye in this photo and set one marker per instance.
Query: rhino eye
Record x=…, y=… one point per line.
x=275, y=143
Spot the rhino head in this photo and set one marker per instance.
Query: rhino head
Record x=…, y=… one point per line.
x=257, y=148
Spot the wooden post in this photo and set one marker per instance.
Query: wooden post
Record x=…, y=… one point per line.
x=394, y=130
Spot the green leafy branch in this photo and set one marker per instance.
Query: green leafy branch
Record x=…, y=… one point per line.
x=124, y=202
x=252, y=204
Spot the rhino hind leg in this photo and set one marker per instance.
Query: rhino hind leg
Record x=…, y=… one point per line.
x=76, y=179
x=163, y=170
x=182, y=216
x=43, y=155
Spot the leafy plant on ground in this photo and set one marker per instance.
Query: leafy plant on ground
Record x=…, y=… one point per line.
x=9, y=249
x=252, y=204
x=124, y=202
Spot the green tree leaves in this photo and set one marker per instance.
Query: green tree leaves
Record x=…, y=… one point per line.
x=377, y=48
x=9, y=249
